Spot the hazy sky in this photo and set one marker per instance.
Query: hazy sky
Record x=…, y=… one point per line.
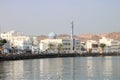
x=36, y=17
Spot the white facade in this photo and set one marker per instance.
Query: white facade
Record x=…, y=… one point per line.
x=17, y=40
x=35, y=45
x=90, y=43
x=35, y=41
x=106, y=41
x=23, y=45
x=115, y=46
x=65, y=42
x=111, y=45
x=92, y=46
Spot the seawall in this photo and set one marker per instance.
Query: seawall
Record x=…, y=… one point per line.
x=4, y=57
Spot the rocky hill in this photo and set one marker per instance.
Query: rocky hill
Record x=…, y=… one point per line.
x=41, y=37
x=88, y=36
x=113, y=35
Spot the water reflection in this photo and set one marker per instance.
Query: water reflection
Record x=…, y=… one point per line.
x=80, y=68
x=17, y=70
x=107, y=67
x=11, y=70
x=50, y=69
x=89, y=67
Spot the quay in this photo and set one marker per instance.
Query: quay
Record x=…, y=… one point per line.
x=23, y=56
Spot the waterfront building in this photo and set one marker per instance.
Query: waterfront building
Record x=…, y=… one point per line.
x=35, y=45
x=83, y=47
x=106, y=41
x=111, y=44
x=53, y=44
x=5, y=48
x=92, y=46
x=115, y=45
x=17, y=40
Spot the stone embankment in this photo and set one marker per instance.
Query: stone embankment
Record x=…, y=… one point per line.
x=22, y=56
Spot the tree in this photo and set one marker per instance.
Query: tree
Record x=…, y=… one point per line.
x=60, y=47
x=2, y=42
x=50, y=46
x=102, y=45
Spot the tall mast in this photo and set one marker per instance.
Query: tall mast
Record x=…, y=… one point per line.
x=72, y=36
x=72, y=28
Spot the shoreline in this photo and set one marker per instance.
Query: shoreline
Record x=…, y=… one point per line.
x=52, y=55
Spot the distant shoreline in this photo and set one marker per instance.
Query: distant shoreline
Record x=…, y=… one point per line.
x=52, y=55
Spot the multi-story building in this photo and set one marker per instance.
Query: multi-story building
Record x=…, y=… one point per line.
x=17, y=40
x=35, y=45
x=105, y=41
x=44, y=44
x=65, y=44
x=111, y=45
x=92, y=46
x=115, y=46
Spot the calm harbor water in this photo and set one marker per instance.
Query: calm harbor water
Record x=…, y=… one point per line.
x=76, y=68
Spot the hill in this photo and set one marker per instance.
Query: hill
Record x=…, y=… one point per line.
x=87, y=36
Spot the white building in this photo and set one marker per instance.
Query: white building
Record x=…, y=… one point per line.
x=35, y=45
x=66, y=44
x=6, y=47
x=17, y=40
x=92, y=46
x=111, y=45
x=44, y=44
x=106, y=41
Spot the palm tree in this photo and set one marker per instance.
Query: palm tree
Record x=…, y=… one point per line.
x=60, y=47
x=51, y=46
x=102, y=46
